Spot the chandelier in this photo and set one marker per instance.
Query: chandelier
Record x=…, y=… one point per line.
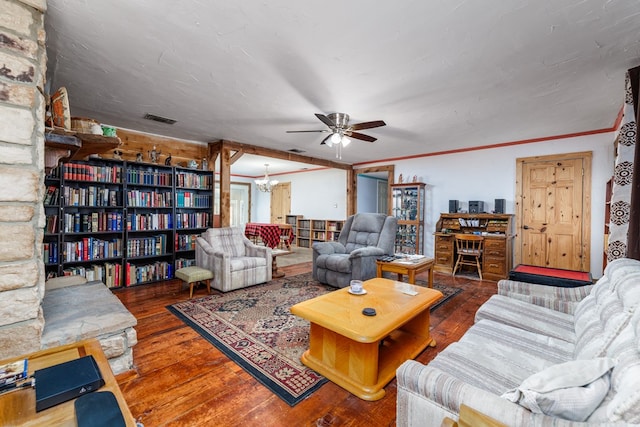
x=265, y=184
x=338, y=139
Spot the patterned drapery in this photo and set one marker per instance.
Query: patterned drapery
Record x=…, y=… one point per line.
x=622, y=179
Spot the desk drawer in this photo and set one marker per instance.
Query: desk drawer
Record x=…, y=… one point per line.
x=494, y=266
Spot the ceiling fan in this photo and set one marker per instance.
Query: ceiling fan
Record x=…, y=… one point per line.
x=340, y=128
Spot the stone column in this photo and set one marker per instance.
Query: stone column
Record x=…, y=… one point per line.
x=22, y=106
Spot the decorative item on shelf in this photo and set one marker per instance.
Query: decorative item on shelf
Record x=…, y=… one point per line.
x=139, y=157
x=117, y=155
x=154, y=155
x=415, y=178
x=108, y=130
x=167, y=161
x=192, y=164
x=266, y=184
x=400, y=179
x=85, y=125
x=205, y=164
x=60, y=112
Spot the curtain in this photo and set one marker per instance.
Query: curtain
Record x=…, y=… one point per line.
x=620, y=207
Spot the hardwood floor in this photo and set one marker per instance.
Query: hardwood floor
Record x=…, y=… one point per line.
x=182, y=380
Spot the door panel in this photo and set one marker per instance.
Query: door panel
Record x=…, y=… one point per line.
x=280, y=203
x=552, y=216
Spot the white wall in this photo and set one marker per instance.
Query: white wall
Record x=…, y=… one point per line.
x=317, y=194
x=490, y=174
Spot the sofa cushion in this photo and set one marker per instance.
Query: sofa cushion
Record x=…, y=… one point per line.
x=570, y=390
x=602, y=315
x=227, y=240
x=246, y=263
x=508, y=355
x=334, y=262
x=530, y=317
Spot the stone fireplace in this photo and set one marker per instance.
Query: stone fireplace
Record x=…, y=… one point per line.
x=22, y=107
x=73, y=313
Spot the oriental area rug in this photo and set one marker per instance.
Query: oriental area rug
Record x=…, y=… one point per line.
x=255, y=329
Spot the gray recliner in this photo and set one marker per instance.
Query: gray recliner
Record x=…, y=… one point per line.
x=364, y=237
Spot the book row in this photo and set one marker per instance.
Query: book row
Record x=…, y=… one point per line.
x=193, y=220
x=149, y=221
x=92, y=222
x=51, y=196
x=92, y=196
x=108, y=273
x=192, y=180
x=149, y=199
x=148, y=177
x=82, y=172
x=186, y=242
x=187, y=199
x=136, y=274
x=90, y=248
x=147, y=246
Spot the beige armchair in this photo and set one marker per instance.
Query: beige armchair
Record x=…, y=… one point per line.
x=235, y=261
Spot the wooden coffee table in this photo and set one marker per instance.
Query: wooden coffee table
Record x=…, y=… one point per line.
x=361, y=353
x=409, y=267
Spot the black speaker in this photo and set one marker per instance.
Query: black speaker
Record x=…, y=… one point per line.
x=454, y=205
x=476, y=206
x=500, y=205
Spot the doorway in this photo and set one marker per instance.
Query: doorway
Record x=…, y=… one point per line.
x=381, y=172
x=280, y=203
x=553, y=220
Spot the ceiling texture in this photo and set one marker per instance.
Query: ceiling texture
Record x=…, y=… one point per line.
x=443, y=75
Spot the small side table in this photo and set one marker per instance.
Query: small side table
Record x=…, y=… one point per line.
x=409, y=267
x=192, y=275
x=18, y=407
x=275, y=273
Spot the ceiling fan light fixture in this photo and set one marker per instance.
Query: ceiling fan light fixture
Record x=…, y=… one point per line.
x=345, y=141
x=266, y=184
x=335, y=138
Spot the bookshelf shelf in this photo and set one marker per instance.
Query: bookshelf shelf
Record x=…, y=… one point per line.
x=310, y=231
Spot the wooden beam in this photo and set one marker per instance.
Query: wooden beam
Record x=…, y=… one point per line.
x=283, y=155
x=236, y=156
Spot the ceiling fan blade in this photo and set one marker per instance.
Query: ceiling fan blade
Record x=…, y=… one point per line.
x=361, y=136
x=324, y=141
x=368, y=125
x=306, y=131
x=326, y=120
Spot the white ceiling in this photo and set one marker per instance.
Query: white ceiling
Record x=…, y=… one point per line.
x=442, y=74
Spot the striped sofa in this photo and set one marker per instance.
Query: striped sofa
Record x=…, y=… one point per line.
x=526, y=329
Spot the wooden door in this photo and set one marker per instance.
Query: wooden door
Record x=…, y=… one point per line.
x=280, y=203
x=553, y=211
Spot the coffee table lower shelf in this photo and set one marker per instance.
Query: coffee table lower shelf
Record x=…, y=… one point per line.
x=365, y=368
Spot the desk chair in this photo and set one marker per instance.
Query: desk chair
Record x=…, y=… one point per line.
x=469, y=248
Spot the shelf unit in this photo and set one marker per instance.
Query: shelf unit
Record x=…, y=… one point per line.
x=408, y=207
x=310, y=231
x=124, y=223
x=292, y=220
x=497, y=230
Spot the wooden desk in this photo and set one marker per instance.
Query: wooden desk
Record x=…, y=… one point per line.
x=410, y=268
x=497, y=231
x=18, y=408
x=361, y=353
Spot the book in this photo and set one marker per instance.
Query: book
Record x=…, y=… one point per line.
x=12, y=373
